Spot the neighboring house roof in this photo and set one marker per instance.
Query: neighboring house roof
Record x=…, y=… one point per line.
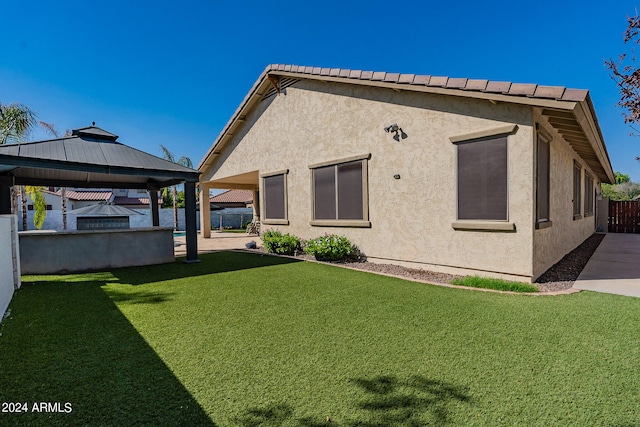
x=87, y=195
x=233, y=196
x=131, y=200
x=570, y=111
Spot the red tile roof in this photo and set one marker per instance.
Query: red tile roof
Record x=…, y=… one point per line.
x=559, y=93
x=233, y=196
x=94, y=195
x=576, y=101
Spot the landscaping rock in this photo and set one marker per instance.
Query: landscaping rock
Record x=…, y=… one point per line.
x=251, y=245
x=559, y=277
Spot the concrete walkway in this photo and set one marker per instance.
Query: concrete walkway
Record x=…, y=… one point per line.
x=614, y=267
x=219, y=241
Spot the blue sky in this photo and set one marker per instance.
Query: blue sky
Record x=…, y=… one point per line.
x=172, y=73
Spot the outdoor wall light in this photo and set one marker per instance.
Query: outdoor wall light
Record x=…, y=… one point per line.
x=399, y=133
x=396, y=176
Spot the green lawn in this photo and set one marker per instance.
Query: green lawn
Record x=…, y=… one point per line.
x=250, y=340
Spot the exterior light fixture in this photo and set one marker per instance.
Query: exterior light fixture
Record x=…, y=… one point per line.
x=397, y=130
x=392, y=128
x=396, y=176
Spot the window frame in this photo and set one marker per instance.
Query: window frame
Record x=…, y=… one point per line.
x=577, y=190
x=263, y=198
x=481, y=136
x=364, y=222
x=541, y=134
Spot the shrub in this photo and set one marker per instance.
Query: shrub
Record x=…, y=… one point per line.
x=487, y=283
x=330, y=247
x=278, y=243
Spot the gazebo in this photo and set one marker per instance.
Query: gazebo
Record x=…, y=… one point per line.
x=93, y=158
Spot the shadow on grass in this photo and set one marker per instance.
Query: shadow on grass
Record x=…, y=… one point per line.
x=410, y=402
x=388, y=402
x=211, y=263
x=68, y=342
x=276, y=415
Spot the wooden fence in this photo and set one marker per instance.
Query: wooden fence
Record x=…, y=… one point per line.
x=624, y=217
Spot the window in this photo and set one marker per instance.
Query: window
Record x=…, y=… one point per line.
x=577, y=175
x=482, y=179
x=47, y=207
x=102, y=223
x=340, y=193
x=542, y=181
x=274, y=199
x=588, y=195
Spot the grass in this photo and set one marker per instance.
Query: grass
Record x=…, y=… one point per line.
x=490, y=283
x=250, y=340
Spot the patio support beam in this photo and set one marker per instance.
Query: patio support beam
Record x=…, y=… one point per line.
x=155, y=217
x=190, y=221
x=5, y=195
x=205, y=211
x=256, y=205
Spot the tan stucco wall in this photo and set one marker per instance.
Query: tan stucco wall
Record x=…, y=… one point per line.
x=552, y=243
x=411, y=217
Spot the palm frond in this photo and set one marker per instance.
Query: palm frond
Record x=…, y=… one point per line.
x=17, y=121
x=49, y=128
x=167, y=155
x=185, y=161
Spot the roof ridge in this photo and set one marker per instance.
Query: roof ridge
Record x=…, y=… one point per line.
x=531, y=90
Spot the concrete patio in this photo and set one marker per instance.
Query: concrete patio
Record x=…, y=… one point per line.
x=219, y=241
x=614, y=267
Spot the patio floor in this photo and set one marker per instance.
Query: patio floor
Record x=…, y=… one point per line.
x=219, y=241
x=614, y=267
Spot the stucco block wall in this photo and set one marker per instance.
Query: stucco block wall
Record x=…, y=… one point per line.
x=9, y=261
x=316, y=122
x=77, y=251
x=552, y=243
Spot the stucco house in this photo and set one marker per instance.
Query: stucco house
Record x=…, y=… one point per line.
x=447, y=174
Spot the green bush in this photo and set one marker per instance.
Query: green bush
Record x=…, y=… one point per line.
x=498, y=284
x=277, y=243
x=330, y=247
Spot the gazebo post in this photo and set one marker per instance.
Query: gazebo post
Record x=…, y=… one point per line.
x=190, y=221
x=5, y=195
x=155, y=217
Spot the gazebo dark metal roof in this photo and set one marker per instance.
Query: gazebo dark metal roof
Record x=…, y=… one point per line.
x=93, y=158
x=90, y=157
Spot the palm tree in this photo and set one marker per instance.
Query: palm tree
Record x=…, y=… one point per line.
x=17, y=121
x=183, y=161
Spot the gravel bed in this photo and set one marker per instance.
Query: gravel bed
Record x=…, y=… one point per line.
x=559, y=277
x=566, y=271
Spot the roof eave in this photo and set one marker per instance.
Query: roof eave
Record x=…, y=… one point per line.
x=577, y=102
x=262, y=84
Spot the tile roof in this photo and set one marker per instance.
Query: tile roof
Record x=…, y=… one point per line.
x=559, y=93
x=87, y=195
x=576, y=102
x=233, y=196
x=131, y=200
